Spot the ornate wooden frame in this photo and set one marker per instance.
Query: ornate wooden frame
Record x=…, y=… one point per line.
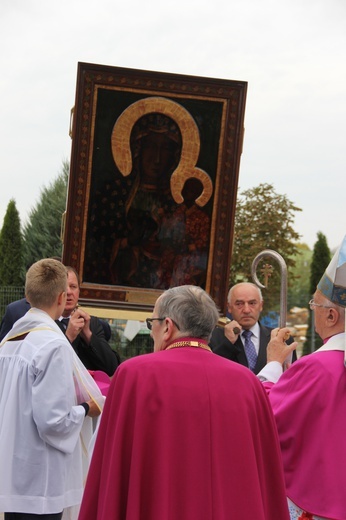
x=209, y=115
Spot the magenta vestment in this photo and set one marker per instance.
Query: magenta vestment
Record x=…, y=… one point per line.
x=309, y=404
x=185, y=435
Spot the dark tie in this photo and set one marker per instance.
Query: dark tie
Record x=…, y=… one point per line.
x=64, y=322
x=250, y=349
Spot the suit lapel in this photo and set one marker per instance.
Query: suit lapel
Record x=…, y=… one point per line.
x=240, y=352
x=262, y=354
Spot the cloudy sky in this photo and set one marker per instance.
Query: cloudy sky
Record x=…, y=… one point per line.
x=292, y=53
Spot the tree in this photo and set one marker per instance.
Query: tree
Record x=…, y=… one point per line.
x=299, y=283
x=11, y=248
x=263, y=220
x=320, y=260
x=42, y=231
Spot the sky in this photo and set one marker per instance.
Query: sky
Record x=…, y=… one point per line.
x=292, y=54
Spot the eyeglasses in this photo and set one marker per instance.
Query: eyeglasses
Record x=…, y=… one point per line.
x=149, y=322
x=312, y=304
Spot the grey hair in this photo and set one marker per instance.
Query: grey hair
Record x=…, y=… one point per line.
x=191, y=308
x=333, y=305
x=230, y=292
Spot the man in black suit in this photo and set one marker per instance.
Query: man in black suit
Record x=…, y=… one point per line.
x=86, y=333
x=245, y=304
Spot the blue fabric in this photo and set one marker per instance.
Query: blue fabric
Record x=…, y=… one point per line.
x=64, y=322
x=250, y=349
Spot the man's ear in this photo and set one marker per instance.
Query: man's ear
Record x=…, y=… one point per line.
x=333, y=316
x=168, y=329
x=62, y=299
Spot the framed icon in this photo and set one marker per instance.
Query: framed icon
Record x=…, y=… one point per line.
x=153, y=183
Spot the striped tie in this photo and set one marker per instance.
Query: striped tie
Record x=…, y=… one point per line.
x=250, y=349
x=64, y=322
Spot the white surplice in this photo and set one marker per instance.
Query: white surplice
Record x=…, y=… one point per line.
x=44, y=434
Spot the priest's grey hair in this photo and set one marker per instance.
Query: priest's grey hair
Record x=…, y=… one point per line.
x=191, y=308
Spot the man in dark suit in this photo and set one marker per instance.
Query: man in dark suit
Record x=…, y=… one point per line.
x=245, y=304
x=14, y=311
x=86, y=333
